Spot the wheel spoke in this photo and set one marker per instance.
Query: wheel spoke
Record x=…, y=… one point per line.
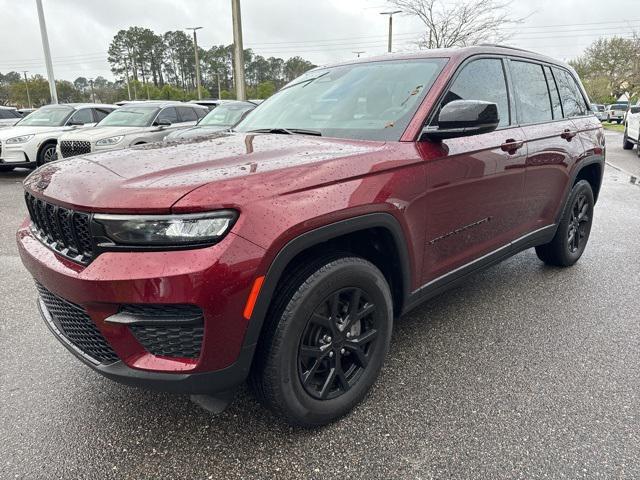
x=334, y=306
x=342, y=379
x=323, y=321
x=368, y=309
x=366, y=337
x=311, y=352
x=308, y=375
x=326, y=386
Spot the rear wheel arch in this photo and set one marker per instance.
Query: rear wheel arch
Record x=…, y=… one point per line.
x=362, y=236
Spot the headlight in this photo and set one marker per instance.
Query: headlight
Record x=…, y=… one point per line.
x=167, y=230
x=20, y=139
x=109, y=141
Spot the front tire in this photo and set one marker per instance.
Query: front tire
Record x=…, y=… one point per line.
x=325, y=341
x=572, y=235
x=47, y=154
x=626, y=144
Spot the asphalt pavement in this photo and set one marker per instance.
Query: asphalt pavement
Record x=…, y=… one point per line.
x=524, y=371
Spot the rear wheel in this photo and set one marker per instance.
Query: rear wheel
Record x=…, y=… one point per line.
x=47, y=153
x=626, y=144
x=572, y=235
x=325, y=341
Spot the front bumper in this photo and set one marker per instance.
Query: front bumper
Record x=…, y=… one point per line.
x=17, y=155
x=217, y=279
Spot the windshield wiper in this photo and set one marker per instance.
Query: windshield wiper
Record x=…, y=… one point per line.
x=307, y=81
x=287, y=131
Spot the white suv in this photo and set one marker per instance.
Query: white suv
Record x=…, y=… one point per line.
x=132, y=124
x=32, y=141
x=631, y=128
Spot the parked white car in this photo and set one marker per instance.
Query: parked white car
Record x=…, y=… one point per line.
x=631, y=135
x=616, y=111
x=9, y=116
x=32, y=141
x=132, y=124
x=599, y=110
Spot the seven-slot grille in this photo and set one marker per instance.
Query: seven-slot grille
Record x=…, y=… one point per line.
x=75, y=325
x=71, y=148
x=65, y=231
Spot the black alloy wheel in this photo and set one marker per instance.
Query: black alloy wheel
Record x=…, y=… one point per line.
x=335, y=346
x=579, y=223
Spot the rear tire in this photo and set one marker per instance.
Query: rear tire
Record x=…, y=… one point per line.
x=324, y=341
x=626, y=144
x=572, y=235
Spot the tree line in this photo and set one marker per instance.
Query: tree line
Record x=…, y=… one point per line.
x=610, y=68
x=151, y=66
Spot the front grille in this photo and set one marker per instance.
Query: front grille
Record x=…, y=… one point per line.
x=71, y=148
x=75, y=325
x=65, y=231
x=168, y=330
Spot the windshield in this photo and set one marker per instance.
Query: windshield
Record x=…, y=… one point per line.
x=130, y=117
x=225, y=115
x=47, y=117
x=370, y=101
x=619, y=106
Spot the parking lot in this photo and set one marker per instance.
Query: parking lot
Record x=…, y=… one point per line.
x=524, y=371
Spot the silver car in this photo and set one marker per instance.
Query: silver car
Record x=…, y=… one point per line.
x=132, y=124
x=9, y=116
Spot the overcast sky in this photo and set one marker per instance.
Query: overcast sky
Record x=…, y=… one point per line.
x=322, y=31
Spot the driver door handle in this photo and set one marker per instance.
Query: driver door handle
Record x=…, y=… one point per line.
x=568, y=134
x=512, y=145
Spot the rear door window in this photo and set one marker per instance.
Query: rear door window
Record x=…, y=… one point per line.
x=573, y=102
x=482, y=79
x=100, y=113
x=531, y=92
x=82, y=116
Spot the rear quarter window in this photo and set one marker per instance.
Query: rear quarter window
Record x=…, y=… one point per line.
x=573, y=103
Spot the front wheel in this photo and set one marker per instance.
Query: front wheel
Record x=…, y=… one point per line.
x=47, y=154
x=626, y=144
x=572, y=235
x=325, y=341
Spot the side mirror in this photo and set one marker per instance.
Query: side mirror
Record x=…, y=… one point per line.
x=463, y=118
x=75, y=123
x=163, y=123
x=634, y=110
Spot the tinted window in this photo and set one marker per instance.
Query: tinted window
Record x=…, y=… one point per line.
x=572, y=100
x=201, y=112
x=4, y=114
x=101, y=113
x=534, y=105
x=168, y=114
x=133, y=116
x=556, y=105
x=187, y=114
x=82, y=116
x=482, y=80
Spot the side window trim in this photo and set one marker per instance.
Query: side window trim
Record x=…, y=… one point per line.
x=503, y=58
x=555, y=83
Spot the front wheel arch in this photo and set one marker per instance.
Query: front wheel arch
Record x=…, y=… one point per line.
x=46, y=144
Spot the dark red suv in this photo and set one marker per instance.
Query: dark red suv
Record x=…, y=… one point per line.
x=281, y=252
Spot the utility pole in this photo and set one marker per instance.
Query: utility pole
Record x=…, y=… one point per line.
x=126, y=74
x=26, y=84
x=391, y=14
x=195, y=50
x=218, y=80
x=238, y=52
x=47, y=53
x=93, y=97
x=358, y=53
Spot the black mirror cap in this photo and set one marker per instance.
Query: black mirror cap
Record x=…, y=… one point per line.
x=462, y=118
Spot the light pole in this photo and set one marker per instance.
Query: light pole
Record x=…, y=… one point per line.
x=218, y=80
x=93, y=97
x=391, y=14
x=195, y=51
x=358, y=53
x=47, y=53
x=238, y=52
x=26, y=84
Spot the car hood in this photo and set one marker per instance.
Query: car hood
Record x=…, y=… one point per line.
x=16, y=131
x=151, y=178
x=96, y=133
x=197, y=131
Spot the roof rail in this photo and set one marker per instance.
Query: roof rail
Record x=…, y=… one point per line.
x=503, y=46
